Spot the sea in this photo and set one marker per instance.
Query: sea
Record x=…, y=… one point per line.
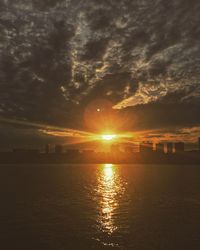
x=99, y=206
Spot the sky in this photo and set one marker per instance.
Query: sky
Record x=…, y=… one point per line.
x=136, y=61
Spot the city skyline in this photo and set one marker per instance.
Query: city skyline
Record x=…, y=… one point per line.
x=146, y=153
x=123, y=147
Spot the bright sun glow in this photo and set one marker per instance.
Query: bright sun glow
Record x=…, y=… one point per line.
x=108, y=137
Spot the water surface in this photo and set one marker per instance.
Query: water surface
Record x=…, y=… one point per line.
x=58, y=207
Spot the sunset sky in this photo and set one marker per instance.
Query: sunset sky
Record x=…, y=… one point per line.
x=72, y=64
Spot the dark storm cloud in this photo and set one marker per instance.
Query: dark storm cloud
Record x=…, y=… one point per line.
x=56, y=56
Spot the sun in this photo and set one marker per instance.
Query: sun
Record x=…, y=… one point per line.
x=108, y=137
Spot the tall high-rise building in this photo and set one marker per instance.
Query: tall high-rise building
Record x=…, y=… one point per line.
x=160, y=147
x=47, y=150
x=115, y=148
x=179, y=147
x=58, y=149
x=169, y=147
x=199, y=143
x=146, y=147
x=128, y=150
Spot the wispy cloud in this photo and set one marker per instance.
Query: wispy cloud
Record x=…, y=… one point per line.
x=58, y=56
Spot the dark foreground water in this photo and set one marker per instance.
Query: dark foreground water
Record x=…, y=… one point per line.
x=63, y=207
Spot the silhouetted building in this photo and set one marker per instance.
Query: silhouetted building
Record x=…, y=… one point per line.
x=128, y=150
x=179, y=147
x=87, y=155
x=47, y=149
x=87, y=151
x=58, y=149
x=146, y=147
x=160, y=147
x=115, y=148
x=73, y=151
x=169, y=147
x=199, y=143
x=24, y=151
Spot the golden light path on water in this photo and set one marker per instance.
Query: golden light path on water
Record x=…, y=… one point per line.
x=110, y=189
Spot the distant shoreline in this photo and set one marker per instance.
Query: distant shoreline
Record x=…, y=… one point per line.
x=187, y=157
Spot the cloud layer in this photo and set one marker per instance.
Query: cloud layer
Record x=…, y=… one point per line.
x=58, y=56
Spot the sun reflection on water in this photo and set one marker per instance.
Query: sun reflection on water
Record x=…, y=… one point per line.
x=110, y=189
